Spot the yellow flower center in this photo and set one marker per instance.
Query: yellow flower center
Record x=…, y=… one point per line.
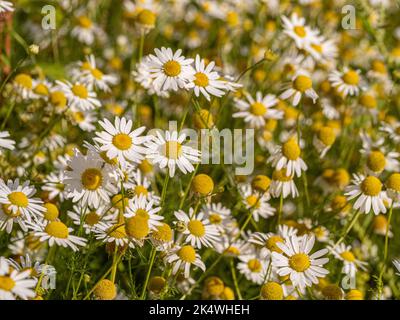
x=300, y=31
x=57, y=229
x=376, y=161
x=84, y=22
x=201, y=79
x=348, y=256
x=18, y=198
x=141, y=190
x=351, y=77
x=379, y=223
x=187, y=254
x=354, y=294
x=172, y=68
x=41, y=89
x=215, y=218
x=147, y=17
x=92, y=218
x=51, y=212
x=254, y=265
x=196, y=228
x=378, y=66
x=253, y=201
x=272, y=291
x=368, y=101
x=157, y=284
x=122, y=141
x=97, y=74
x=142, y=213
x=86, y=66
x=6, y=283
x=291, y=149
x=327, y=136
x=271, y=243
x=80, y=91
x=258, y=109
x=371, y=186
x=92, y=179
x=317, y=47
x=299, y=262
x=280, y=175
x=393, y=182
x=24, y=80
x=137, y=227
x=163, y=233
x=202, y=184
x=233, y=250
x=78, y=116
x=302, y=83
x=8, y=212
x=332, y=292
x=58, y=99
x=172, y=149
x=117, y=231
x=105, y=290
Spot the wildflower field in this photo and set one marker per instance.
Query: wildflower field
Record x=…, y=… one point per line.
x=190, y=149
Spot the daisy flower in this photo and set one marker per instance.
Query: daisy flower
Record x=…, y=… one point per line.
x=171, y=152
x=7, y=219
x=288, y=157
x=140, y=185
x=182, y=258
x=206, y=80
x=54, y=186
x=197, y=230
x=393, y=187
x=322, y=50
x=15, y=284
x=89, y=218
x=350, y=263
x=301, y=84
x=255, y=112
x=170, y=70
x=56, y=233
x=6, y=143
x=253, y=268
x=257, y=203
x=88, y=179
x=347, y=81
x=217, y=214
x=86, y=30
x=139, y=206
x=323, y=140
x=296, y=29
x=23, y=86
x=79, y=96
x=281, y=184
x=295, y=260
x=16, y=200
x=113, y=233
x=119, y=141
x=85, y=120
x=6, y=6
x=369, y=194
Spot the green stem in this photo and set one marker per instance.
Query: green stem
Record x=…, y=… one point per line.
x=152, y=258
x=349, y=227
x=235, y=282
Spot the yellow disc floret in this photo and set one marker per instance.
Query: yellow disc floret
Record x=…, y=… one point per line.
x=57, y=229
x=299, y=262
x=105, y=290
x=271, y=291
x=202, y=184
x=371, y=186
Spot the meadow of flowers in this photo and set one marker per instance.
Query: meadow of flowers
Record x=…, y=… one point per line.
x=104, y=195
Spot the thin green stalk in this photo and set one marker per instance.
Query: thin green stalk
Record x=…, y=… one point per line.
x=349, y=227
x=152, y=258
x=235, y=282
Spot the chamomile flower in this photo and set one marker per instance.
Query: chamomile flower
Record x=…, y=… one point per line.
x=6, y=143
x=139, y=206
x=350, y=263
x=369, y=194
x=7, y=219
x=182, y=258
x=288, y=157
x=217, y=214
x=300, y=85
x=253, y=268
x=57, y=233
x=140, y=185
x=120, y=141
x=88, y=179
x=197, y=229
x=295, y=261
x=256, y=112
x=109, y=232
x=15, y=284
x=296, y=29
x=347, y=82
x=89, y=218
x=6, y=6
x=170, y=151
x=393, y=187
x=79, y=96
x=324, y=140
x=206, y=80
x=170, y=70
x=281, y=184
x=86, y=31
x=17, y=200
x=23, y=85
x=85, y=120
x=257, y=203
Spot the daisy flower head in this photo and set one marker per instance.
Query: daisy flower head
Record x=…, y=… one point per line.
x=253, y=268
x=88, y=179
x=85, y=30
x=84, y=119
x=6, y=6
x=369, y=194
x=288, y=157
x=15, y=284
x=323, y=50
x=56, y=233
x=17, y=200
x=89, y=218
x=350, y=263
x=347, y=82
x=197, y=229
x=323, y=140
x=206, y=80
x=303, y=268
x=295, y=27
x=256, y=202
x=139, y=206
x=170, y=151
x=300, y=85
x=79, y=96
x=170, y=70
x=393, y=187
x=281, y=184
x=6, y=143
x=182, y=258
x=110, y=232
x=120, y=141
x=256, y=112
x=217, y=214
x=23, y=85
